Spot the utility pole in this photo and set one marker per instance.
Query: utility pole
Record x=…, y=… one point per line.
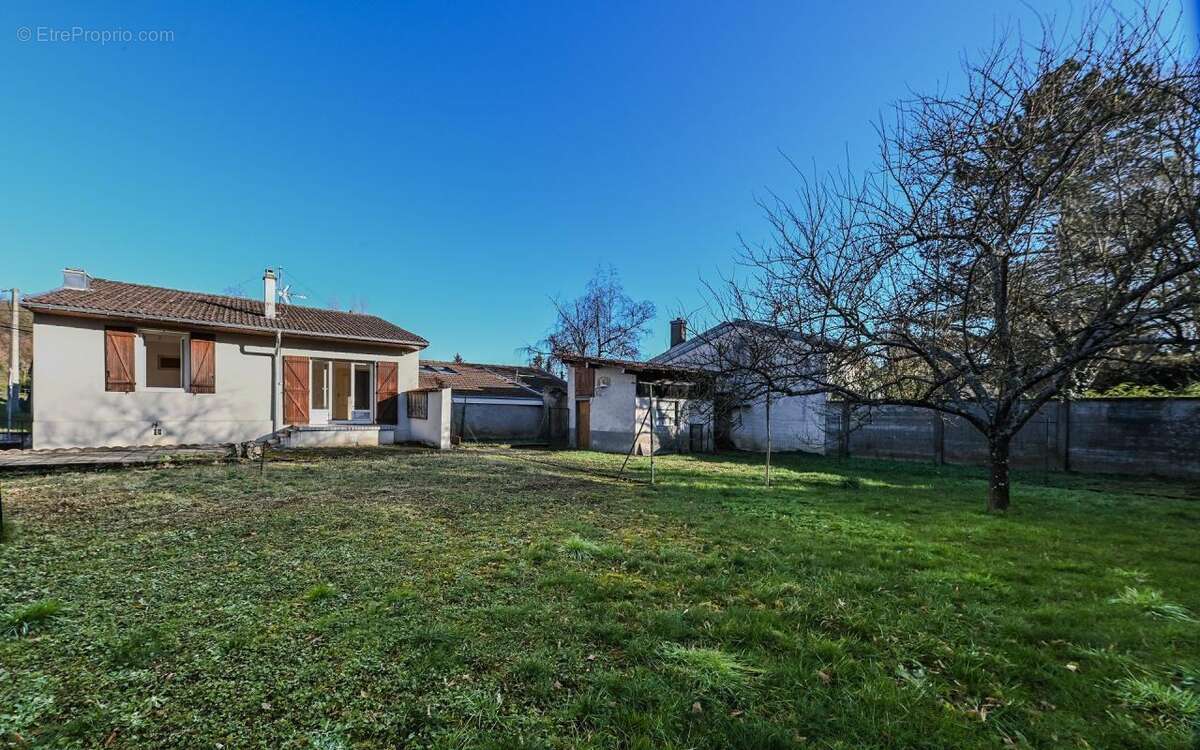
x=652, y=419
x=14, y=361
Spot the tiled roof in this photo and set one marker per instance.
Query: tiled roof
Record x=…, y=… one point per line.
x=117, y=299
x=650, y=369
x=533, y=377
x=471, y=380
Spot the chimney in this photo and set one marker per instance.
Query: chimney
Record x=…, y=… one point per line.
x=678, y=331
x=76, y=278
x=269, y=294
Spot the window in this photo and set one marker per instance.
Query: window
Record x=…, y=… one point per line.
x=164, y=359
x=418, y=405
x=439, y=369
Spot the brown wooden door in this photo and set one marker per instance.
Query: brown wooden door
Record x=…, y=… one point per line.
x=583, y=425
x=386, y=395
x=118, y=361
x=204, y=364
x=295, y=390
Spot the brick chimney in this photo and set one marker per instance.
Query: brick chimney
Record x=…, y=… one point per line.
x=269, y=294
x=678, y=331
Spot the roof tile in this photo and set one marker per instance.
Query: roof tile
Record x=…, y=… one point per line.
x=139, y=302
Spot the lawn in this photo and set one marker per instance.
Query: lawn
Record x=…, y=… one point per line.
x=488, y=599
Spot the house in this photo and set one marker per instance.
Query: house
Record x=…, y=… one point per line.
x=620, y=405
x=502, y=403
x=610, y=400
x=121, y=364
x=797, y=422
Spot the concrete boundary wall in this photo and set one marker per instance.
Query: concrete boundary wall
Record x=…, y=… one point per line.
x=1152, y=436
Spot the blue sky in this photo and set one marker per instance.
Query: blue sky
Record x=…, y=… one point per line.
x=450, y=165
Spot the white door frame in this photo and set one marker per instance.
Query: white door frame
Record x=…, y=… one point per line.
x=362, y=415
x=320, y=416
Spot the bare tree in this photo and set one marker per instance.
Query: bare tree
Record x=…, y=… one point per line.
x=603, y=322
x=1014, y=234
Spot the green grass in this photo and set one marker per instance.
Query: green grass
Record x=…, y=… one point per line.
x=485, y=599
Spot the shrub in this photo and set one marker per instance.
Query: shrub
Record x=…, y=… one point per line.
x=320, y=592
x=25, y=620
x=1153, y=604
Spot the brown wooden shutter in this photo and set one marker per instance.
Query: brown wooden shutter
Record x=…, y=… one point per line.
x=118, y=360
x=295, y=390
x=386, y=393
x=204, y=363
x=585, y=381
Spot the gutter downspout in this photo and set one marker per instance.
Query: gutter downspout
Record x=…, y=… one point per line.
x=276, y=381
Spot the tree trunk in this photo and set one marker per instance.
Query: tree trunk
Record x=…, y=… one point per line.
x=768, y=476
x=998, y=484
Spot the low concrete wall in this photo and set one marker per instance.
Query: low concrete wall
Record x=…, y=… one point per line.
x=1155, y=436
x=338, y=438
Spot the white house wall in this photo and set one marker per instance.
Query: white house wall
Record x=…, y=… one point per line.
x=797, y=424
x=72, y=409
x=433, y=431
x=617, y=415
x=672, y=434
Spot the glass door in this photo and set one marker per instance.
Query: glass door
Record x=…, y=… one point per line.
x=319, y=382
x=362, y=395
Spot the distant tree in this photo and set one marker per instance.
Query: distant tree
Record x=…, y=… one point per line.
x=538, y=361
x=1044, y=218
x=458, y=359
x=603, y=322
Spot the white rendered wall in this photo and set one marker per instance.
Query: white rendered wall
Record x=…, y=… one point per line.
x=72, y=409
x=797, y=424
x=435, y=430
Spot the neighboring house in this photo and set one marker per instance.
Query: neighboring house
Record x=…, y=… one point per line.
x=502, y=403
x=123, y=364
x=797, y=422
x=614, y=405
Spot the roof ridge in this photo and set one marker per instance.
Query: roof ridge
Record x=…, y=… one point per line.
x=226, y=296
x=131, y=300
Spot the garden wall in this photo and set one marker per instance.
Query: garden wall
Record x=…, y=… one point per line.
x=1156, y=436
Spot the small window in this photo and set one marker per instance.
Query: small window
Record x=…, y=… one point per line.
x=164, y=360
x=418, y=405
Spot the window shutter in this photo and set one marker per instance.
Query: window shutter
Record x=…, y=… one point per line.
x=418, y=404
x=295, y=390
x=585, y=381
x=386, y=396
x=118, y=360
x=204, y=363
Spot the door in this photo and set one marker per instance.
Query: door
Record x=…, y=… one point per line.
x=583, y=425
x=321, y=392
x=362, y=397
x=341, y=391
x=386, y=397
x=295, y=390
x=697, y=438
